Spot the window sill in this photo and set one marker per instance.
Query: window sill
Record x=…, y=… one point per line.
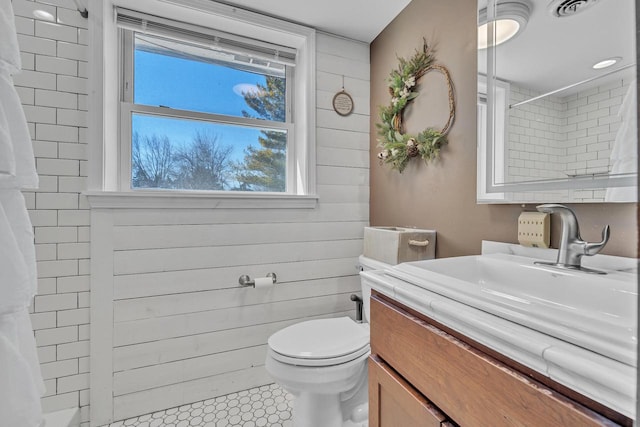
x=197, y=200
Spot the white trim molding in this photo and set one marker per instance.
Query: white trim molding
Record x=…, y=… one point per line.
x=166, y=199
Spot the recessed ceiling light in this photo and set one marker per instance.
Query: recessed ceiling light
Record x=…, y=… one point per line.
x=510, y=19
x=43, y=14
x=606, y=63
x=504, y=30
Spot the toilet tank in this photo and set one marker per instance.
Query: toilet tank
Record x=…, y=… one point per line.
x=368, y=264
x=395, y=245
x=387, y=246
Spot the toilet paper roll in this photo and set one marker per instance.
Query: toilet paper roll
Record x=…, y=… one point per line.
x=263, y=282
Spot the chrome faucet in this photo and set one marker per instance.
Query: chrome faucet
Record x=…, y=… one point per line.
x=572, y=247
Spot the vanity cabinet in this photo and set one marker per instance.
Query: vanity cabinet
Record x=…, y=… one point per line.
x=421, y=375
x=398, y=403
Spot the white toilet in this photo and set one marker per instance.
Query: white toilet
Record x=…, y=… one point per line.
x=323, y=363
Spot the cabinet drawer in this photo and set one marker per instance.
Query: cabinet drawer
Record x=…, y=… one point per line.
x=470, y=387
x=394, y=403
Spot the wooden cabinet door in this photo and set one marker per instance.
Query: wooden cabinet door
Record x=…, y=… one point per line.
x=472, y=388
x=394, y=403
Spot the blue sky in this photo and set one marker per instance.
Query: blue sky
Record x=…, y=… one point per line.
x=200, y=87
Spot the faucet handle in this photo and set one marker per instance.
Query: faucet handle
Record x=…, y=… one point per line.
x=594, y=248
x=554, y=208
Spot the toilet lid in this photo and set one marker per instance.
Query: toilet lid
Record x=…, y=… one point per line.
x=321, y=339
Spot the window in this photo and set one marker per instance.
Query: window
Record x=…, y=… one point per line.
x=169, y=69
x=201, y=109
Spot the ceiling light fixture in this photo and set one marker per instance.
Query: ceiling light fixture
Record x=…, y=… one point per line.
x=510, y=19
x=606, y=63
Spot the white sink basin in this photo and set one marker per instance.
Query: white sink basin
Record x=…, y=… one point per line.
x=597, y=312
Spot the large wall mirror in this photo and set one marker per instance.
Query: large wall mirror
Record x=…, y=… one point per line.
x=557, y=103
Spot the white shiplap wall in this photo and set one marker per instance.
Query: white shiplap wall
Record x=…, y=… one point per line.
x=182, y=330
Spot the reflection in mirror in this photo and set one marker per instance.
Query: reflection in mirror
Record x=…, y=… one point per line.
x=555, y=122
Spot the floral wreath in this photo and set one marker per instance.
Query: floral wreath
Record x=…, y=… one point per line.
x=398, y=147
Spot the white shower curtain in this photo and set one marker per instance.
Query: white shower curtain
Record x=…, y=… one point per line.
x=20, y=380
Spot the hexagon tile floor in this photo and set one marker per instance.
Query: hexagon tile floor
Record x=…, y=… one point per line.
x=268, y=405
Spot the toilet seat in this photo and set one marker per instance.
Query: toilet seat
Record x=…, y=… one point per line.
x=321, y=342
x=320, y=362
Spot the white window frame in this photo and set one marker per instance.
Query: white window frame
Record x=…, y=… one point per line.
x=106, y=152
x=129, y=107
x=491, y=166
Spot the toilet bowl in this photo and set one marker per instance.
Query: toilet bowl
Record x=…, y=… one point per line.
x=323, y=364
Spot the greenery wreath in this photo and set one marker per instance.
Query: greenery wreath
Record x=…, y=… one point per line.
x=398, y=147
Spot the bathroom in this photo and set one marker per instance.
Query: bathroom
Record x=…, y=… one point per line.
x=138, y=307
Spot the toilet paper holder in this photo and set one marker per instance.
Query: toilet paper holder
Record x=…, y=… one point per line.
x=245, y=280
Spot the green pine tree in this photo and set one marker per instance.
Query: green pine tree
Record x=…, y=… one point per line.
x=264, y=167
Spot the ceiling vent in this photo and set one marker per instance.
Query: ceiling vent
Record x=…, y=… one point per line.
x=566, y=8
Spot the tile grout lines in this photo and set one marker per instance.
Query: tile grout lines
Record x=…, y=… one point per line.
x=268, y=405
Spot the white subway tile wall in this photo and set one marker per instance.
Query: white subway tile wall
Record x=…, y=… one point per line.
x=52, y=88
x=564, y=135
x=536, y=135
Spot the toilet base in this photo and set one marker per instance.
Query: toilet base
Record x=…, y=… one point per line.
x=316, y=410
x=321, y=410
x=347, y=409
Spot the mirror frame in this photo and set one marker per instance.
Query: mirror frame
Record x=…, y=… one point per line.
x=490, y=186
